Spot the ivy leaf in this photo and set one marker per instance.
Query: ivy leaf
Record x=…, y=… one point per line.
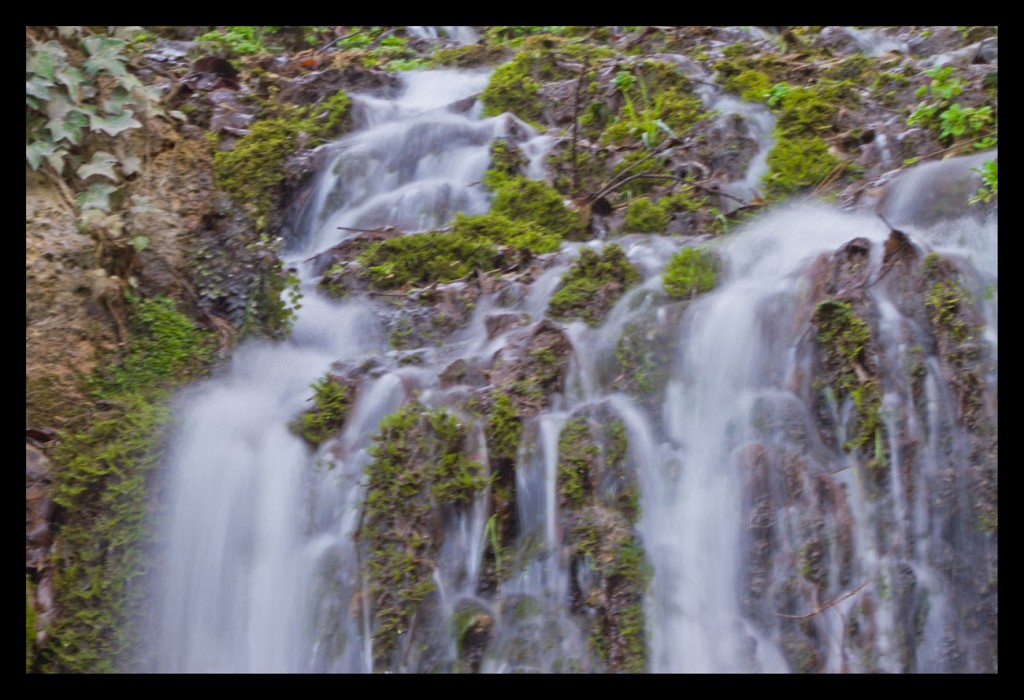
x=130, y=165
x=104, y=55
x=38, y=87
x=72, y=79
x=96, y=197
x=56, y=160
x=69, y=126
x=119, y=97
x=45, y=60
x=114, y=124
x=102, y=164
x=31, y=102
x=34, y=152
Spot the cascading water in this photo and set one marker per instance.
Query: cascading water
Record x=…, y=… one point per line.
x=772, y=547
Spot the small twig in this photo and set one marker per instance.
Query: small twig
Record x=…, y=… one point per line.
x=62, y=188
x=575, y=131
x=953, y=148
x=828, y=604
x=615, y=181
x=705, y=188
x=382, y=229
x=332, y=42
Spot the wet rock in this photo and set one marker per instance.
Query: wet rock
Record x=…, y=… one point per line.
x=39, y=507
x=473, y=626
x=532, y=366
x=497, y=324
x=462, y=372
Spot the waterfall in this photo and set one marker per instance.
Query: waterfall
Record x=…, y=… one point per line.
x=750, y=516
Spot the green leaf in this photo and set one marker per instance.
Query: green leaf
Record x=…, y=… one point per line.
x=45, y=60
x=34, y=153
x=114, y=124
x=56, y=160
x=72, y=78
x=69, y=126
x=96, y=197
x=140, y=243
x=38, y=87
x=119, y=97
x=104, y=55
x=102, y=164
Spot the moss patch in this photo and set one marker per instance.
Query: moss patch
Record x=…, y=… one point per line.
x=419, y=469
x=592, y=285
x=102, y=486
x=689, y=272
x=331, y=403
x=644, y=216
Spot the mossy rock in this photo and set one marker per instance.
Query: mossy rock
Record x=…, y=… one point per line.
x=690, y=272
x=592, y=285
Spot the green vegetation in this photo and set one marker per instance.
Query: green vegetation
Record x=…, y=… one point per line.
x=423, y=258
x=102, y=486
x=948, y=119
x=524, y=200
x=515, y=86
x=644, y=216
x=658, y=101
x=30, y=624
x=843, y=338
x=504, y=428
x=419, y=468
x=506, y=231
x=592, y=285
x=331, y=403
x=253, y=171
x=989, y=188
x=468, y=56
x=77, y=110
x=690, y=272
x=577, y=461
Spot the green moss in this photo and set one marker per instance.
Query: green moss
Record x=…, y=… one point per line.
x=30, y=624
x=577, y=457
x=510, y=89
x=514, y=87
x=592, y=285
x=532, y=201
x=505, y=231
x=506, y=158
x=419, y=468
x=331, y=401
x=747, y=73
x=842, y=338
x=468, y=56
x=102, y=486
x=423, y=258
x=798, y=164
x=644, y=216
x=658, y=99
x=752, y=85
x=689, y=272
x=682, y=200
x=253, y=171
x=504, y=428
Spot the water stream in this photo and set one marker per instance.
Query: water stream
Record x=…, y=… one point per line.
x=258, y=556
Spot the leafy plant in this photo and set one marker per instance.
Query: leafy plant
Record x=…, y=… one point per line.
x=950, y=119
x=68, y=98
x=239, y=41
x=775, y=95
x=989, y=172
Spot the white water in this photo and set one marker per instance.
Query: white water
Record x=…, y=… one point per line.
x=259, y=569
